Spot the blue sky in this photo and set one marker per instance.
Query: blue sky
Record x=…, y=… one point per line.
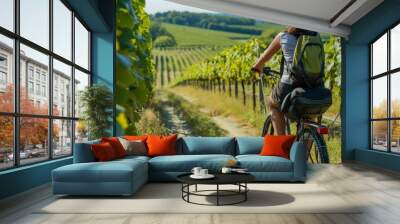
x=154, y=6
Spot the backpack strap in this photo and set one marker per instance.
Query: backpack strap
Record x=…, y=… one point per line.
x=282, y=64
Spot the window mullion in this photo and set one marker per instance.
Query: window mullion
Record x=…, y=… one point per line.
x=389, y=111
x=50, y=81
x=73, y=82
x=16, y=70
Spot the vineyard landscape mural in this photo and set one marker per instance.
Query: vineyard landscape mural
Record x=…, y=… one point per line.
x=189, y=72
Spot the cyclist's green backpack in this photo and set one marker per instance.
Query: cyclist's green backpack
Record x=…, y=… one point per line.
x=309, y=60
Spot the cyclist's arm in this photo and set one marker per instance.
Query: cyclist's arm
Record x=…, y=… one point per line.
x=268, y=53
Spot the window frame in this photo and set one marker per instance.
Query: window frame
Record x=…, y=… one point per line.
x=16, y=114
x=388, y=74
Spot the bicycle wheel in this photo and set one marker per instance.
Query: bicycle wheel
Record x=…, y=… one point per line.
x=315, y=144
x=268, y=128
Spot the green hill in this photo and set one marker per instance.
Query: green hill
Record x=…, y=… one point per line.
x=186, y=35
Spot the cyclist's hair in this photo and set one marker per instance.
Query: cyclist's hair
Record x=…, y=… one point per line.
x=298, y=31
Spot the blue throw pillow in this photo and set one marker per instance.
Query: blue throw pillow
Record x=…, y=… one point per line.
x=206, y=145
x=249, y=145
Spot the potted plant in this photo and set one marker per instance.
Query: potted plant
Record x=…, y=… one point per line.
x=96, y=102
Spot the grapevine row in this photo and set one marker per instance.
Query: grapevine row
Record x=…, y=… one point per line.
x=171, y=62
x=231, y=68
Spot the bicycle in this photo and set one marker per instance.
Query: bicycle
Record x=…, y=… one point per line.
x=308, y=131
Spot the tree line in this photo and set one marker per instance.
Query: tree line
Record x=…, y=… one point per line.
x=209, y=21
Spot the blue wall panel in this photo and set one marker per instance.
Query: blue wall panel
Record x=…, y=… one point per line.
x=356, y=85
x=24, y=178
x=103, y=62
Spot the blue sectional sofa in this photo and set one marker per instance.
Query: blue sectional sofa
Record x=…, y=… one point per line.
x=125, y=176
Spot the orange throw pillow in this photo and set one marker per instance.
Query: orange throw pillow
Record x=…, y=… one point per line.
x=161, y=145
x=277, y=145
x=116, y=145
x=103, y=152
x=136, y=138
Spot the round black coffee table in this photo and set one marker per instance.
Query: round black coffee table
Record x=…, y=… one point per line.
x=238, y=179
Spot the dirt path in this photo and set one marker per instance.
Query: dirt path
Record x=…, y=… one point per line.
x=231, y=125
x=171, y=120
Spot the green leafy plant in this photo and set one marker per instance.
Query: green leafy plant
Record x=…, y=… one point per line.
x=96, y=102
x=150, y=123
x=135, y=67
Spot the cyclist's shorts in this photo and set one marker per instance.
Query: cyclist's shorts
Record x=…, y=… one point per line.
x=280, y=91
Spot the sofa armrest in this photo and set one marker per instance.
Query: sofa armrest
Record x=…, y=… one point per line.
x=83, y=152
x=298, y=156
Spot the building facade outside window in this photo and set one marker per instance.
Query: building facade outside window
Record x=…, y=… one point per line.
x=384, y=91
x=41, y=124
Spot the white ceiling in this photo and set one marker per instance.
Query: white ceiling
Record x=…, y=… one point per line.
x=318, y=15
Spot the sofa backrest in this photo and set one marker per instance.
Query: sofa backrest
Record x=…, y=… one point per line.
x=249, y=145
x=83, y=153
x=190, y=146
x=206, y=145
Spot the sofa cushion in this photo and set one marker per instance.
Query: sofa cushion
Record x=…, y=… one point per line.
x=249, y=145
x=112, y=171
x=116, y=145
x=161, y=145
x=103, y=152
x=136, y=147
x=257, y=163
x=185, y=163
x=136, y=137
x=206, y=145
x=277, y=145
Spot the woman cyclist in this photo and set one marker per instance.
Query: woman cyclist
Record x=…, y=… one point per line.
x=287, y=42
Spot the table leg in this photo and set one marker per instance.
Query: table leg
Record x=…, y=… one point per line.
x=182, y=188
x=245, y=193
x=217, y=194
x=196, y=187
x=188, y=189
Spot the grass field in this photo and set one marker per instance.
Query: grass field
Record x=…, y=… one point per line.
x=189, y=36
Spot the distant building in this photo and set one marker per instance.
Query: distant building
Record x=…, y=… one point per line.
x=35, y=79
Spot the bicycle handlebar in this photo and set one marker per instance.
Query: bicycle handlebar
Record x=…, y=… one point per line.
x=266, y=71
x=269, y=71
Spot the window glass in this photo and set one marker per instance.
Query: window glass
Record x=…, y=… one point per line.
x=6, y=74
x=6, y=142
x=81, y=131
x=34, y=81
x=379, y=98
x=81, y=45
x=395, y=47
x=62, y=91
x=33, y=140
x=62, y=138
x=81, y=82
x=379, y=135
x=7, y=14
x=34, y=21
x=395, y=95
x=395, y=136
x=379, y=56
x=39, y=62
x=62, y=29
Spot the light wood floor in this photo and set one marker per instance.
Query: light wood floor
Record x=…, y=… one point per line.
x=379, y=189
